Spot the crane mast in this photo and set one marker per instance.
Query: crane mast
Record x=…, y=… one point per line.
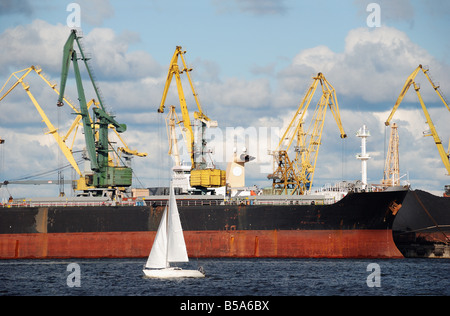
x=106, y=172
x=410, y=82
x=61, y=139
x=202, y=175
x=295, y=176
x=392, y=166
x=104, y=175
x=171, y=122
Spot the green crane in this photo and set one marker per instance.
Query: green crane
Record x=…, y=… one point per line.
x=104, y=175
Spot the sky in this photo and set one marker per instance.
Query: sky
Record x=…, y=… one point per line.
x=252, y=61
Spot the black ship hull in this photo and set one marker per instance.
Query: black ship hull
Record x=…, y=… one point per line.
x=422, y=226
x=358, y=226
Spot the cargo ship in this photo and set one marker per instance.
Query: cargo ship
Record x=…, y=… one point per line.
x=358, y=225
x=422, y=226
x=346, y=221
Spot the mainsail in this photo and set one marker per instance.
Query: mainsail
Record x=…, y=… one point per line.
x=169, y=245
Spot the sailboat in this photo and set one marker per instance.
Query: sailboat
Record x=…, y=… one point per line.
x=169, y=246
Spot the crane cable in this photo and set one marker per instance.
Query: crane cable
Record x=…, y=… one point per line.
x=43, y=173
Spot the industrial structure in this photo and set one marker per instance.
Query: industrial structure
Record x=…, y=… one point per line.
x=410, y=81
x=108, y=171
x=392, y=165
x=344, y=221
x=204, y=173
x=294, y=175
x=363, y=133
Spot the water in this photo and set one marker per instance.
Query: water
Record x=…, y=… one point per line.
x=229, y=277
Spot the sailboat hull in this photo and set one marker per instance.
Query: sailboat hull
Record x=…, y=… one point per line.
x=171, y=273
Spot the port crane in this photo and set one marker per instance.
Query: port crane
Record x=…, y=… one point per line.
x=295, y=175
x=410, y=82
x=105, y=175
x=202, y=175
x=61, y=139
x=20, y=76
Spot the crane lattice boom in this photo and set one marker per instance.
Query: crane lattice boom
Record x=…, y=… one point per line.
x=202, y=175
x=295, y=176
x=410, y=81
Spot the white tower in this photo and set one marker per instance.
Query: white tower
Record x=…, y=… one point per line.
x=363, y=156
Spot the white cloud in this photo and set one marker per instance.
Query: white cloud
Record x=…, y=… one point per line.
x=41, y=43
x=112, y=59
x=374, y=65
x=391, y=11
x=38, y=43
x=236, y=92
x=95, y=12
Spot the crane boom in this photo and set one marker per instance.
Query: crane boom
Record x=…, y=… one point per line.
x=410, y=81
x=201, y=175
x=295, y=176
x=104, y=176
x=51, y=128
x=174, y=70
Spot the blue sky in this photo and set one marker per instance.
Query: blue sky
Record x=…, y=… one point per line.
x=253, y=61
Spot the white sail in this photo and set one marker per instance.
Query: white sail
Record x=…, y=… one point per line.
x=176, y=245
x=169, y=245
x=158, y=258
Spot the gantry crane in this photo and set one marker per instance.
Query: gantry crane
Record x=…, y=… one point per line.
x=62, y=139
x=295, y=176
x=202, y=175
x=410, y=81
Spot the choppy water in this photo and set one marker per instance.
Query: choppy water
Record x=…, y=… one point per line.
x=229, y=277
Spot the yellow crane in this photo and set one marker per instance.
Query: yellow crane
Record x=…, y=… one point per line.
x=295, y=176
x=60, y=139
x=410, y=81
x=202, y=176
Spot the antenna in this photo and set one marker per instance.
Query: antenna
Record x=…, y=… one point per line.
x=363, y=133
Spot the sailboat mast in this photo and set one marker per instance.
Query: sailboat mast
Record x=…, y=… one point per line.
x=167, y=231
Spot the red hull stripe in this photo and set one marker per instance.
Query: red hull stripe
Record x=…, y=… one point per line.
x=206, y=244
